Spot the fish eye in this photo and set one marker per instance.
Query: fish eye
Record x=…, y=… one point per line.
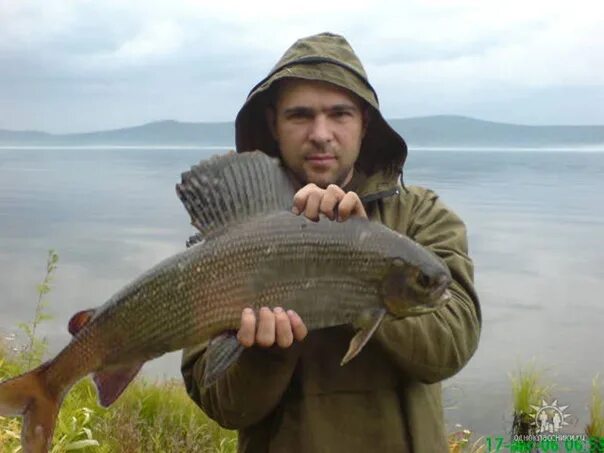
x=398, y=262
x=423, y=280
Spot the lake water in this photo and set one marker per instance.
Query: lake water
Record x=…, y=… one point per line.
x=536, y=231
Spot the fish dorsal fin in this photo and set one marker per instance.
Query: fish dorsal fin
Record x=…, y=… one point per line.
x=79, y=320
x=231, y=188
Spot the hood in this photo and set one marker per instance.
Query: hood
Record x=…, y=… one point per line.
x=326, y=57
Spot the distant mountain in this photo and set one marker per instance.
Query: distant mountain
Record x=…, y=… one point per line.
x=161, y=133
x=463, y=131
x=430, y=131
x=10, y=137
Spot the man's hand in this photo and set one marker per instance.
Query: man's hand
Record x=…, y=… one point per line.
x=276, y=326
x=336, y=204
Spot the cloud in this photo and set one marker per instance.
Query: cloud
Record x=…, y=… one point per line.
x=114, y=53
x=156, y=38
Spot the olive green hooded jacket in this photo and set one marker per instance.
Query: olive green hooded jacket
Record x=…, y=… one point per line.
x=388, y=399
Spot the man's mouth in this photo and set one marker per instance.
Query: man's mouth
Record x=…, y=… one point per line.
x=320, y=157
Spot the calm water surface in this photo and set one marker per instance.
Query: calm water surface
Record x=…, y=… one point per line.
x=536, y=231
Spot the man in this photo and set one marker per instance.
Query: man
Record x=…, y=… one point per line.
x=287, y=393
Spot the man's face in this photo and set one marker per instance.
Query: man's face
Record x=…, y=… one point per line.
x=319, y=128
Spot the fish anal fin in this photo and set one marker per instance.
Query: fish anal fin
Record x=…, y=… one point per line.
x=369, y=322
x=110, y=383
x=222, y=352
x=79, y=320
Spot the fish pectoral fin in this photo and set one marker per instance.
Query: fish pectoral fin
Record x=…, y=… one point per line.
x=369, y=322
x=222, y=352
x=79, y=320
x=110, y=383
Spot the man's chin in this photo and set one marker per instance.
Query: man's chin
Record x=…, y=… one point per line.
x=321, y=179
x=321, y=182
x=324, y=180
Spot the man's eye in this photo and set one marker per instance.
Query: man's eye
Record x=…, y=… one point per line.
x=341, y=113
x=298, y=116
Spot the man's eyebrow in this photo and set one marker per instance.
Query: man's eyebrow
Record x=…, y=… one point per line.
x=342, y=107
x=299, y=109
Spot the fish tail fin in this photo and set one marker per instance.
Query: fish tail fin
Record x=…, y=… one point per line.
x=30, y=396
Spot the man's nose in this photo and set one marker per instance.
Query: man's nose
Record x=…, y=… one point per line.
x=320, y=130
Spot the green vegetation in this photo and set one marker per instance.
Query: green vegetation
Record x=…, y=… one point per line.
x=460, y=442
x=148, y=417
x=529, y=390
x=35, y=349
x=595, y=428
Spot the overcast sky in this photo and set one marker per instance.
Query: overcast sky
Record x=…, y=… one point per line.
x=71, y=66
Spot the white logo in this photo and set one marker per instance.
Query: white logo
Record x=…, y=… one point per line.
x=550, y=418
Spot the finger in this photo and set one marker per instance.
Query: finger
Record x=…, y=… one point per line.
x=265, y=336
x=298, y=328
x=299, y=202
x=351, y=206
x=332, y=196
x=311, y=211
x=283, y=328
x=247, y=332
x=336, y=190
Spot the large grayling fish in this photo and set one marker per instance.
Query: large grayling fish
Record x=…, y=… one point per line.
x=255, y=253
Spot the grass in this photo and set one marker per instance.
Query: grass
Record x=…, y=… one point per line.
x=148, y=417
x=595, y=427
x=460, y=442
x=33, y=352
x=528, y=390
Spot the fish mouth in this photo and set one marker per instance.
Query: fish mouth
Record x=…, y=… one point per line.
x=434, y=303
x=441, y=291
x=444, y=297
x=438, y=297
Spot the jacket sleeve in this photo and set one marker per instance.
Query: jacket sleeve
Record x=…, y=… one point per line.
x=248, y=391
x=433, y=347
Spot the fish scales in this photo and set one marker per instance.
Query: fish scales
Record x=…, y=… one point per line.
x=284, y=259
x=189, y=299
x=192, y=298
x=238, y=272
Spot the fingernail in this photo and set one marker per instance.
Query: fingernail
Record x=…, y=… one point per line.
x=248, y=311
x=277, y=309
x=295, y=210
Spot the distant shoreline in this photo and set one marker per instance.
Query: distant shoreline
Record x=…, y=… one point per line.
x=469, y=148
x=441, y=132
x=59, y=147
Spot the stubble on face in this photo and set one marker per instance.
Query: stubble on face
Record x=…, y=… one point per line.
x=319, y=129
